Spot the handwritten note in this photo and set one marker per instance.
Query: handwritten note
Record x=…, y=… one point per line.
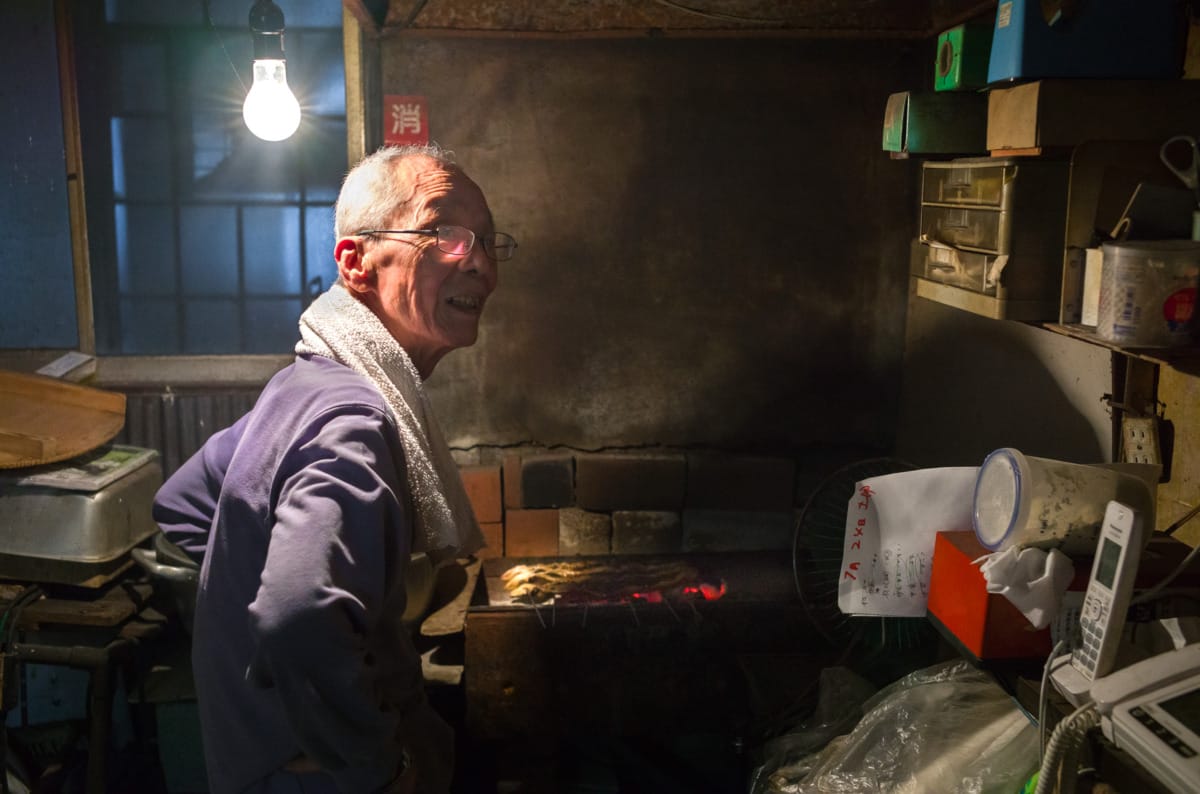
x=891, y=522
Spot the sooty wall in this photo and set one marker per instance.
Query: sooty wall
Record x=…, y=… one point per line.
x=713, y=247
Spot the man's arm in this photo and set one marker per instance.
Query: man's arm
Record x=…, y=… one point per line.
x=185, y=505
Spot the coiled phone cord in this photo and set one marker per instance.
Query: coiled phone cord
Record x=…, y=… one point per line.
x=1062, y=753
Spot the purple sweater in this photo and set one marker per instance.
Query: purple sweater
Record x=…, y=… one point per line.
x=301, y=516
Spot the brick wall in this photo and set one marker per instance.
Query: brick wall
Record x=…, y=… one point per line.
x=541, y=503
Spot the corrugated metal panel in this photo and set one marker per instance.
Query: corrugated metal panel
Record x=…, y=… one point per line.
x=178, y=424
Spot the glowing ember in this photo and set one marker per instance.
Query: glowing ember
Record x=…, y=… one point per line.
x=705, y=590
x=708, y=591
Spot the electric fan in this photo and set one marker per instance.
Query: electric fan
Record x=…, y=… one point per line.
x=817, y=566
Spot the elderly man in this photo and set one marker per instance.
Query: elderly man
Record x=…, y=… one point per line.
x=305, y=511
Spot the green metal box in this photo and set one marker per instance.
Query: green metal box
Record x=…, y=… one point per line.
x=930, y=122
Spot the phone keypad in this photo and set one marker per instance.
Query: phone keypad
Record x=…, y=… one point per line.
x=1092, y=618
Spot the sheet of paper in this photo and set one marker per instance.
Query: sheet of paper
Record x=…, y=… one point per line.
x=891, y=523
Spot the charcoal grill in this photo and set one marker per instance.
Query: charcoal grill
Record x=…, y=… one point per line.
x=629, y=665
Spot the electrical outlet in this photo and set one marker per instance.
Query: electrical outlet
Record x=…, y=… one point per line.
x=1139, y=439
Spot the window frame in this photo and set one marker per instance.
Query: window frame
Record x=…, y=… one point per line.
x=360, y=55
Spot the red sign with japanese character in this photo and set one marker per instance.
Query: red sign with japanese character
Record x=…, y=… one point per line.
x=405, y=119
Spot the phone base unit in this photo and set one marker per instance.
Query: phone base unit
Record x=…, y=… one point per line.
x=1151, y=710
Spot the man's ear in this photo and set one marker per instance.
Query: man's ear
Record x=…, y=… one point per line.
x=351, y=264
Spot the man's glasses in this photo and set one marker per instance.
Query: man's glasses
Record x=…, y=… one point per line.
x=459, y=240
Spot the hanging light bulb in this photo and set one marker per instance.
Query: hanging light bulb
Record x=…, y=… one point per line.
x=271, y=110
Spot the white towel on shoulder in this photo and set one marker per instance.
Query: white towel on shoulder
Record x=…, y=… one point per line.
x=340, y=327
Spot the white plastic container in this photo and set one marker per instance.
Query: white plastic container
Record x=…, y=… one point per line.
x=1021, y=500
x=1148, y=293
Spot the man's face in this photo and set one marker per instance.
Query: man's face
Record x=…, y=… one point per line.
x=429, y=300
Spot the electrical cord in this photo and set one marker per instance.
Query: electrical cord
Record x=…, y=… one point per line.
x=1069, y=767
x=1189, y=515
x=208, y=21
x=1180, y=568
x=1062, y=753
x=1058, y=647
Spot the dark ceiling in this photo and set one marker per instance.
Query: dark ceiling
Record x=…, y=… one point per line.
x=822, y=18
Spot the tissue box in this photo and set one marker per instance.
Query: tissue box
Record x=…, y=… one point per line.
x=987, y=627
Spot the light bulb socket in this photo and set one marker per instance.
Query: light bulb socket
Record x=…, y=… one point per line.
x=266, y=25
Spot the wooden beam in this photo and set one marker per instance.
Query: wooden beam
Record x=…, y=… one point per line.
x=69, y=100
x=356, y=103
x=655, y=33
x=742, y=19
x=947, y=14
x=362, y=15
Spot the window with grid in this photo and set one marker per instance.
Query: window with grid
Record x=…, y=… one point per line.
x=209, y=240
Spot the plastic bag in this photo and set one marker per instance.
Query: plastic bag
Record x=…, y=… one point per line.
x=840, y=698
x=947, y=728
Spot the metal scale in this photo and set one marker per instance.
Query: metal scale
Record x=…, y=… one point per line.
x=75, y=522
x=72, y=504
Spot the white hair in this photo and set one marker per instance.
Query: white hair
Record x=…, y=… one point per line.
x=371, y=194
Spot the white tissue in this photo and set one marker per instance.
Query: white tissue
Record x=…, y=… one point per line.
x=1032, y=579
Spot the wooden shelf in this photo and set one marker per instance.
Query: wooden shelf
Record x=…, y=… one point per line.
x=1026, y=311
x=1171, y=356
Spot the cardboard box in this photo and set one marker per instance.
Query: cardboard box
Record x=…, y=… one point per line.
x=1064, y=113
x=935, y=122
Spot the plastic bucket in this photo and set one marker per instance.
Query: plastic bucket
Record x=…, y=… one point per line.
x=1148, y=293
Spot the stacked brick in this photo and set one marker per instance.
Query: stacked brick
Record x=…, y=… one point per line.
x=551, y=504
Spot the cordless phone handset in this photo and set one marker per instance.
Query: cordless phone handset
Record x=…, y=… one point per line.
x=1102, y=618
